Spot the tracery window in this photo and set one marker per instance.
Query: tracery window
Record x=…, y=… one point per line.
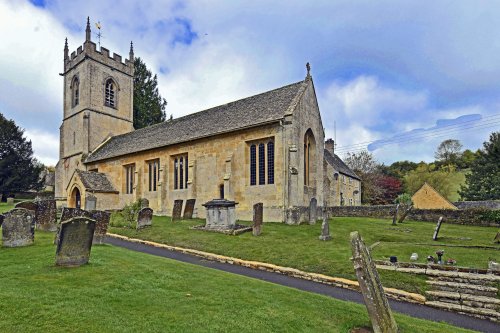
x=264, y=163
x=75, y=92
x=110, y=93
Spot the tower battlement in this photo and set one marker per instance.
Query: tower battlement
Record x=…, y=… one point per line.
x=89, y=50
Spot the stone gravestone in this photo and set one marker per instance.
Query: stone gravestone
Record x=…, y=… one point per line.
x=177, y=211
x=144, y=202
x=90, y=203
x=258, y=213
x=69, y=213
x=1, y=219
x=29, y=205
x=188, y=210
x=144, y=218
x=46, y=215
x=313, y=213
x=75, y=242
x=373, y=293
x=438, y=226
x=18, y=228
x=325, y=230
x=10, y=201
x=101, y=226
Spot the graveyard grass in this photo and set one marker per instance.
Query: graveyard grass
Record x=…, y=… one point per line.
x=4, y=207
x=299, y=246
x=126, y=291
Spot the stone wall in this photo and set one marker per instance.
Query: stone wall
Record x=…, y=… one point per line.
x=488, y=204
x=466, y=216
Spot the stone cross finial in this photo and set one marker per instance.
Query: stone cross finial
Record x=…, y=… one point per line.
x=87, y=30
x=308, y=67
x=66, y=50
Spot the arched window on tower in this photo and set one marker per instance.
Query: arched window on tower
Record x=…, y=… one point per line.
x=75, y=92
x=110, y=93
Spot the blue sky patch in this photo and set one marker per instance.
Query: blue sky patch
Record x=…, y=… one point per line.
x=38, y=3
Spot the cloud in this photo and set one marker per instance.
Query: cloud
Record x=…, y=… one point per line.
x=43, y=144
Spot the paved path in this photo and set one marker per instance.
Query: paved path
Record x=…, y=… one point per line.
x=410, y=309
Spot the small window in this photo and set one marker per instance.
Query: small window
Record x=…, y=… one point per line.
x=181, y=172
x=154, y=174
x=129, y=178
x=262, y=165
x=253, y=168
x=75, y=92
x=110, y=93
x=270, y=162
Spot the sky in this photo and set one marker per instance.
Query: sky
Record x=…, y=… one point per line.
x=393, y=77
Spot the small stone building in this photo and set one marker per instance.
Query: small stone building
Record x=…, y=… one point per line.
x=266, y=148
x=428, y=198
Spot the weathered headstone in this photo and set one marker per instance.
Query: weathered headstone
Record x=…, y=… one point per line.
x=144, y=218
x=438, y=226
x=29, y=205
x=10, y=201
x=188, y=210
x=46, y=215
x=313, y=213
x=18, y=228
x=177, y=211
x=1, y=219
x=395, y=217
x=374, y=296
x=258, y=214
x=75, y=242
x=67, y=214
x=144, y=203
x=325, y=230
x=90, y=202
x=101, y=226
x=497, y=238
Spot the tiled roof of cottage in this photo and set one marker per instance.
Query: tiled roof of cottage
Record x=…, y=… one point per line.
x=339, y=165
x=95, y=181
x=252, y=111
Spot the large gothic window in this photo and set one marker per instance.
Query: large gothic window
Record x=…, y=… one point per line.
x=75, y=92
x=110, y=93
x=262, y=163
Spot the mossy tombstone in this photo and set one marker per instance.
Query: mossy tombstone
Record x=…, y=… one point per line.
x=75, y=242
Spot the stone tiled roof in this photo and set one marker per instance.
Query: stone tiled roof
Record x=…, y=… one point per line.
x=252, y=111
x=96, y=182
x=337, y=163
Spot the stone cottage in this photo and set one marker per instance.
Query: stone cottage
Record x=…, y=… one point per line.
x=266, y=148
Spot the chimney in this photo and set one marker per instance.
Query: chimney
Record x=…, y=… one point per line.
x=330, y=146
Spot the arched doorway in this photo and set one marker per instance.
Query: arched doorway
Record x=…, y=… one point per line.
x=75, y=199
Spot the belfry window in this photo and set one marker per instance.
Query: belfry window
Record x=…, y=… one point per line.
x=110, y=94
x=181, y=173
x=262, y=162
x=75, y=92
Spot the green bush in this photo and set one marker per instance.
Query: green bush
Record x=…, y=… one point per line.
x=490, y=216
x=127, y=217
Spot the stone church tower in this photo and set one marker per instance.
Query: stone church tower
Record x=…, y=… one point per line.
x=97, y=104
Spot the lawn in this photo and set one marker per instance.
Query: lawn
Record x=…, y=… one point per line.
x=125, y=291
x=4, y=207
x=299, y=247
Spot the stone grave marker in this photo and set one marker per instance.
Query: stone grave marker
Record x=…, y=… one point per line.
x=373, y=293
x=188, y=210
x=313, y=212
x=395, y=217
x=258, y=214
x=46, y=215
x=144, y=203
x=101, y=226
x=497, y=238
x=69, y=213
x=18, y=228
x=438, y=226
x=75, y=242
x=10, y=201
x=1, y=219
x=177, y=211
x=144, y=218
x=29, y=205
x=325, y=230
x=90, y=203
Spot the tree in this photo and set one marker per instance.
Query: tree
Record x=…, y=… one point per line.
x=483, y=182
x=448, y=151
x=149, y=106
x=390, y=188
x=443, y=181
x=466, y=159
x=19, y=170
x=366, y=167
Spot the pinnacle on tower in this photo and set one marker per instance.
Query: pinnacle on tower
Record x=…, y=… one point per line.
x=131, y=53
x=87, y=30
x=308, y=67
x=66, y=50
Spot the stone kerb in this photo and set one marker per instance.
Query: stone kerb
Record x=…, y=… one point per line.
x=374, y=296
x=144, y=218
x=75, y=242
x=18, y=228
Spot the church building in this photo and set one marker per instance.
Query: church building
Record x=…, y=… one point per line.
x=267, y=148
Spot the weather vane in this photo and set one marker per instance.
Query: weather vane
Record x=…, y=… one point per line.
x=98, y=34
